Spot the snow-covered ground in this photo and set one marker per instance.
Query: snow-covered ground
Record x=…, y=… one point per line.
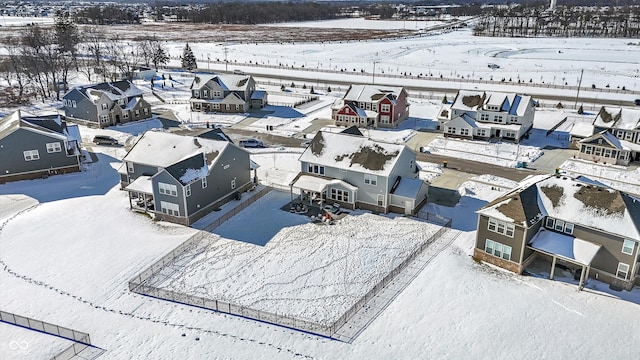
x=503, y=154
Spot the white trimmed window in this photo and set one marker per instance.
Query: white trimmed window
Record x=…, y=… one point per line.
x=233, y=184
x=370, y=179
x=104, y=106
x=170, y=208
x=216, y=106
x=54, y=147
x=31, y=155
x=559, y=225
x=146, y=111
x=385, y=108
x=196, y=93
x=501, y=227
x=484, y=117
x=482, y=132
x=73, y=103
x=167, y=189
x=187, y=190
x=497, y=118
x=104, y=118
x=204, y=182
x=340, y=195
x=217, y=94
x=384, y=119
x=497, y=249
x=316, y=169
x=237, y=107
x=125, y=115
x=205, y=93
x=464, y=132
x=623, y=271
x=627, y=247
x=130, y=167
x=451, y=130
x=137, y=113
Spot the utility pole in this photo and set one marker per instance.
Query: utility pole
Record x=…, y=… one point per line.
x=226, y=62
x=373, y=76
x=578, y=92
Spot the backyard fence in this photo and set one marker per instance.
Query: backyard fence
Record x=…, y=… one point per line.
x=141, y=284
x=81, y=340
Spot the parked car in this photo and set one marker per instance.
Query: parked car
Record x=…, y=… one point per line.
x=239, y=72
x=637, y=102
x=251, y=143
x=493, y=66
x=104, y=140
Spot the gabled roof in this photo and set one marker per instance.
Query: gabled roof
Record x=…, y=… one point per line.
x=352, y=152
x=113, y=90
x=353, y=130
x=163, y=149
x=190, y=169
x=462, y=120
x=258, y=95
x=617, y=118
x=511, y=103
x=49, y=125
x=227, y=82
x=612, y=141
x=568, y=199
x=372, y=93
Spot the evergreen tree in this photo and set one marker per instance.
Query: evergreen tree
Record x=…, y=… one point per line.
x=188, y=59
x=444, y=100
x=580, y=110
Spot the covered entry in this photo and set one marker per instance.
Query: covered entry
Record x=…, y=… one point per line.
x=321, y=189
x=141, y=194
x=570, y=249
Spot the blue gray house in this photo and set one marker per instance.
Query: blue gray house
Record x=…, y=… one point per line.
x=34, y=147
x=225, y=93
x=357, y=172
x=180, y=179
x=106, y=104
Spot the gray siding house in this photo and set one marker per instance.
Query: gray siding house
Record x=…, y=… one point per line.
x=225, y=93
x=570, y=222
x=358, y=172
x=35, y=147
x=182, y=178
x=487, y=115
x=106, y=104
x=624, y=124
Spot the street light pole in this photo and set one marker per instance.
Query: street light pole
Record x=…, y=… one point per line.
x=373, y=76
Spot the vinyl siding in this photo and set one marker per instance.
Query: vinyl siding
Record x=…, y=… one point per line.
x=13, y=146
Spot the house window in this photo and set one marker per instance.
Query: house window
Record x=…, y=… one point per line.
x=316, y=169
x=513, y=119
x=370, y=179
x=217, y=94
x=170, y=208
x=623, y=271
x=501, y=227
x=187, y=190
x=53, y=147
x=568, y=228
x=73, y=103
x=385, y=108
x=380, y=200
x=451, y=130
x=464, y=132
x=497, y=249
x=233, y=184
x=340, y=195
x=125, y=115
x=620, y=134
x=497, y=118
x=167, y=189
x=227, y=106
x=30, y=155
x=484, y=117
x=627, y=247
x=104, y=106
x=137, y=113
x=587, y=150
x=550, y=223
x=196, y=93
x=204, y=182
x=205, y=93
x=130, y=168
x=146, y=111
x=559, y=225
x=384, y=119
x=216, y=106
x=104, y=118
x=237, y=107
x=628, y=136
x=482, y=132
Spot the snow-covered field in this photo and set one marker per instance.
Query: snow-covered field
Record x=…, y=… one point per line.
x=307, y=271
x=503, y=154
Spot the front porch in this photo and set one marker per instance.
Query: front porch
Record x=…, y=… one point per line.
x=319, y=190
x=141, y=194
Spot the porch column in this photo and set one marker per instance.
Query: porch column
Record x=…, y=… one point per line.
x=553, y=267
x=582, y=276
x=130, y=203
x=144, y=198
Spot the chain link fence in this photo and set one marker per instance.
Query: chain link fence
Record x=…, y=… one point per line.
x=141, y=284
x=81, y=339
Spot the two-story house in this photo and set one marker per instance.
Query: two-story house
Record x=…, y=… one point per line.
x=229, y=93
x=37, y=146
x=106, y=104
x=358, y=172
x=180, y=179
x=487, y=115
x=371, y=106
x=622, y=145
x=570, y=222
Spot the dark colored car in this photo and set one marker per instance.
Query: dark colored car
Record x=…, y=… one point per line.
x=104, y=140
